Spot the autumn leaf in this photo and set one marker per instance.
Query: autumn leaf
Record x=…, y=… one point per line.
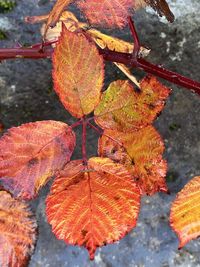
x=56, y=13
x=70, y=22
x=122, y=108
x=115, y=13
x=141, y=153
x=107, y=13
x=101, y=39
x=78, y=80
x=185, y=212
x=126, y=70
x=31, y=154
x=162, y=8
x=93, y=206
x=17, y=232
x=104, y=41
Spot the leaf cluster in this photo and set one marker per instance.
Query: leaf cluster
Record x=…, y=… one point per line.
x=95, y=201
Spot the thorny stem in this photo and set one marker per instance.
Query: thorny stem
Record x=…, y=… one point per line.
x=33, y=53
x=84, y=122
x=77, y=123
x=150, y=68
x=101, y=132
x=131, y=60
x=137, y=45
x=84, y=153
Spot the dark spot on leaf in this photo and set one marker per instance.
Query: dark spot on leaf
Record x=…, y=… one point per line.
x=151, y=106
x=84, y=232
x=132, y=162
x=113, y=150
x=32, y=162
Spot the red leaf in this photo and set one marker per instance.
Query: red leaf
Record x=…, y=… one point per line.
x=93, y=206
x=78, y=80
x=17, y=232
x=107, y=13
x=141, y=153
x=32, y=153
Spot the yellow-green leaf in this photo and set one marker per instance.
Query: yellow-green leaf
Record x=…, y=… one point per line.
x=124, y=109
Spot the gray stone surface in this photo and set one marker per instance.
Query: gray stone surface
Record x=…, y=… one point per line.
x=26, y=95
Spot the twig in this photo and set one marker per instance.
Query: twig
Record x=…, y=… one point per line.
x=77, y=123
x=131, y=60
x=84, y=132
x=136, y=41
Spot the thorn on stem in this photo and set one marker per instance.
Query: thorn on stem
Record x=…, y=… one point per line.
x=41, y=49
x=137, y=46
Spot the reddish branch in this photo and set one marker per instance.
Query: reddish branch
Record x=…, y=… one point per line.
x=131, y=60
x=84, y=153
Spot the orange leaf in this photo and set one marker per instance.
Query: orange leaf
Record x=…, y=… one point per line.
x=185, y=212
x=141, y=153
x=32, y=153
x=124, y=109
x=93, y=206
x=107, y=13
x=17, y=232
x=56, y=13
x=78, y=73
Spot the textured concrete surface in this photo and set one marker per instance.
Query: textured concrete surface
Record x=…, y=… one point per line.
x=26, y=95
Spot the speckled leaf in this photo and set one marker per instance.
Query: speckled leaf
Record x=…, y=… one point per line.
x=93, y=206
x=115, y=13
x=124, y=109
x=141, y=153
x=17, y=232
x=185, y=212
x=78, y=73
x=107, y=13
x=32, y=153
